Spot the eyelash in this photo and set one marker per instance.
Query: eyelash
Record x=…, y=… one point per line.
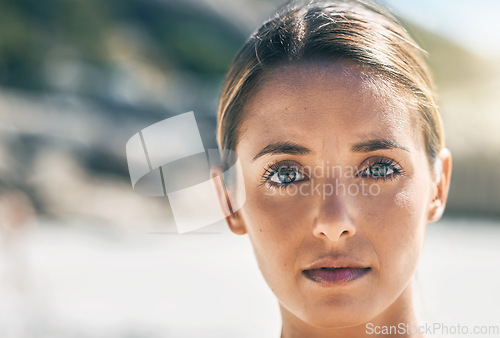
x=389, y=162
x=274, y=168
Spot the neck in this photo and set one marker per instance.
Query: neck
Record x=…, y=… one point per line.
x=400, y=313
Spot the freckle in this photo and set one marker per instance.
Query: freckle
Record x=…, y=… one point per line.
x=402, y=199
x=260, y=229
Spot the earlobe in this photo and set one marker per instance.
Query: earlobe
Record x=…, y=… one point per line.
x=235, y=223
x=441, y=185
x=234, y=220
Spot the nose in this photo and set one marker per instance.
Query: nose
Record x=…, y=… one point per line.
x=332, y=221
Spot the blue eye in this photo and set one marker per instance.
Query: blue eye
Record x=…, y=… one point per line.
x=282, y=174
x=381, y=168
x=286, y=175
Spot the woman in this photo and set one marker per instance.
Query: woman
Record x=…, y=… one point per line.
x=331, y=111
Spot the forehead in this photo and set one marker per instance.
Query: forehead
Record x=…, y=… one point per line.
x=330, y=103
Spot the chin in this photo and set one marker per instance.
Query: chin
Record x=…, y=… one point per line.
x=330, y=317
x=336, y=321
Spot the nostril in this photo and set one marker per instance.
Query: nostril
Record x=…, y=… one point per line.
x=334, y=232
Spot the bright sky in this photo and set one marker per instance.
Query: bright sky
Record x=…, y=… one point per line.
x=473, y=24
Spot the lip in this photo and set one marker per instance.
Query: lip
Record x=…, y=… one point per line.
x=335, y=271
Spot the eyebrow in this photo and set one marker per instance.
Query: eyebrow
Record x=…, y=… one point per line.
x=296, y=149
x=283, y=148
x=376, y=144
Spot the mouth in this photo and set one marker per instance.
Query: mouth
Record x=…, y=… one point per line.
x=329, y=276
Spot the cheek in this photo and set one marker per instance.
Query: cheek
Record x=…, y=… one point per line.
x=394, y=221
x=276, y=214
x=271, y=213
x=276, y=227
x=394, y=211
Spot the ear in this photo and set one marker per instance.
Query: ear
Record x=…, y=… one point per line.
x=234, y=220
x=441, y=186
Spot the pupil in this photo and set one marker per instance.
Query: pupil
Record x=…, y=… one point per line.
x=378, y=170
x=286, y=175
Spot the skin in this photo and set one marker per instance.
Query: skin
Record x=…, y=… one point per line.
x=328, y=108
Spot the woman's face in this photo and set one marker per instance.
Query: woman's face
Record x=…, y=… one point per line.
x=338, y=193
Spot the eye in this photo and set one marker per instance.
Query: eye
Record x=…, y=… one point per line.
x=380, y=168
x=282, y=174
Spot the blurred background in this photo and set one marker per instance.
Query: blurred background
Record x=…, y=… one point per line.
x=83, y=255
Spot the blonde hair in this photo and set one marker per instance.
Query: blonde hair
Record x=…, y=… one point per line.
x=359, y=31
